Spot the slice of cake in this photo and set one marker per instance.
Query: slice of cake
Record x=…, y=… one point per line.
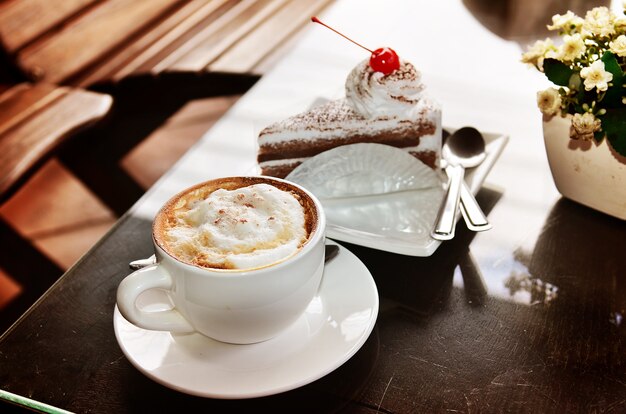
x=388, y=109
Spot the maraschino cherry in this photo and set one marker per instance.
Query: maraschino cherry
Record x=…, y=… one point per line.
x=383, y=59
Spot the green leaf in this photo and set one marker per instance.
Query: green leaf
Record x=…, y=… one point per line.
x=558, y=72
x=614, y=125
x=613, y=97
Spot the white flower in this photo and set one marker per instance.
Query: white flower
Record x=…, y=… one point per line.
x=537, y=52
x=620, y=25
x=599, y=21
x=596, y=77
x=549, y=101
x=567, y=22
x=572, y=48
x=618, y=46
x=583, y=126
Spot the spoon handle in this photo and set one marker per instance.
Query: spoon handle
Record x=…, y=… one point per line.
x=472, y=213
x=141, y=263
x=446, y=218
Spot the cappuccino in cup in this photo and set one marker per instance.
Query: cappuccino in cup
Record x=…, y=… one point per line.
x=240, y=258
x=235, y=223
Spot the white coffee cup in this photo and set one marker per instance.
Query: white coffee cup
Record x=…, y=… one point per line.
x=231, y=305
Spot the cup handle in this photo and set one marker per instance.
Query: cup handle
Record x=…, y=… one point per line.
x=150, y=277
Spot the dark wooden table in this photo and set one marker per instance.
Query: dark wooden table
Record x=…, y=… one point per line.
x=526, y=317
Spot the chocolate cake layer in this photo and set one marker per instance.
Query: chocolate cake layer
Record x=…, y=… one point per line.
x=299, y=147
x=280, y=171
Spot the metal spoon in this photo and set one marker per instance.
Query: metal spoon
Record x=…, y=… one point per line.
x=474, y=217
x=463, y=149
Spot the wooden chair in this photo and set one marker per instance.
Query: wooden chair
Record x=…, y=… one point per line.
x=152, y=56
x=36, y=121
x=85, y=42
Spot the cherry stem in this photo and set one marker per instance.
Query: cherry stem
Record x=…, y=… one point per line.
x=316, y=20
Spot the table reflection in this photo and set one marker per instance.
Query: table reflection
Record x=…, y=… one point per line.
x=593, y=276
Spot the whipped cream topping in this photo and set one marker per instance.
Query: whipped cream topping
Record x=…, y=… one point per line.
x=374, y=94
x=240, y=229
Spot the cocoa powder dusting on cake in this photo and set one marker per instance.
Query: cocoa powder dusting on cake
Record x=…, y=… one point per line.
x=406, y=72
x=332, y=116
x=338, y=111
x=361, y=90
x=404, y=99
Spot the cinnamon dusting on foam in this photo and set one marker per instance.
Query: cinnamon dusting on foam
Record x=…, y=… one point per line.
x=247, y=223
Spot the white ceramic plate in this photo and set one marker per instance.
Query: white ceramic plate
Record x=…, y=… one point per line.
x=335, y=326
x=390, y=202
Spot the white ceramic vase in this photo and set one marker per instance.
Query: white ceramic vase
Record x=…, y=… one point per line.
x=586, y=172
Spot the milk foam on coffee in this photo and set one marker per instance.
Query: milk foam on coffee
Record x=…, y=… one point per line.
x=242, y=228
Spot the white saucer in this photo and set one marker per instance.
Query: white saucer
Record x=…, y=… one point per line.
x=335, y=326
